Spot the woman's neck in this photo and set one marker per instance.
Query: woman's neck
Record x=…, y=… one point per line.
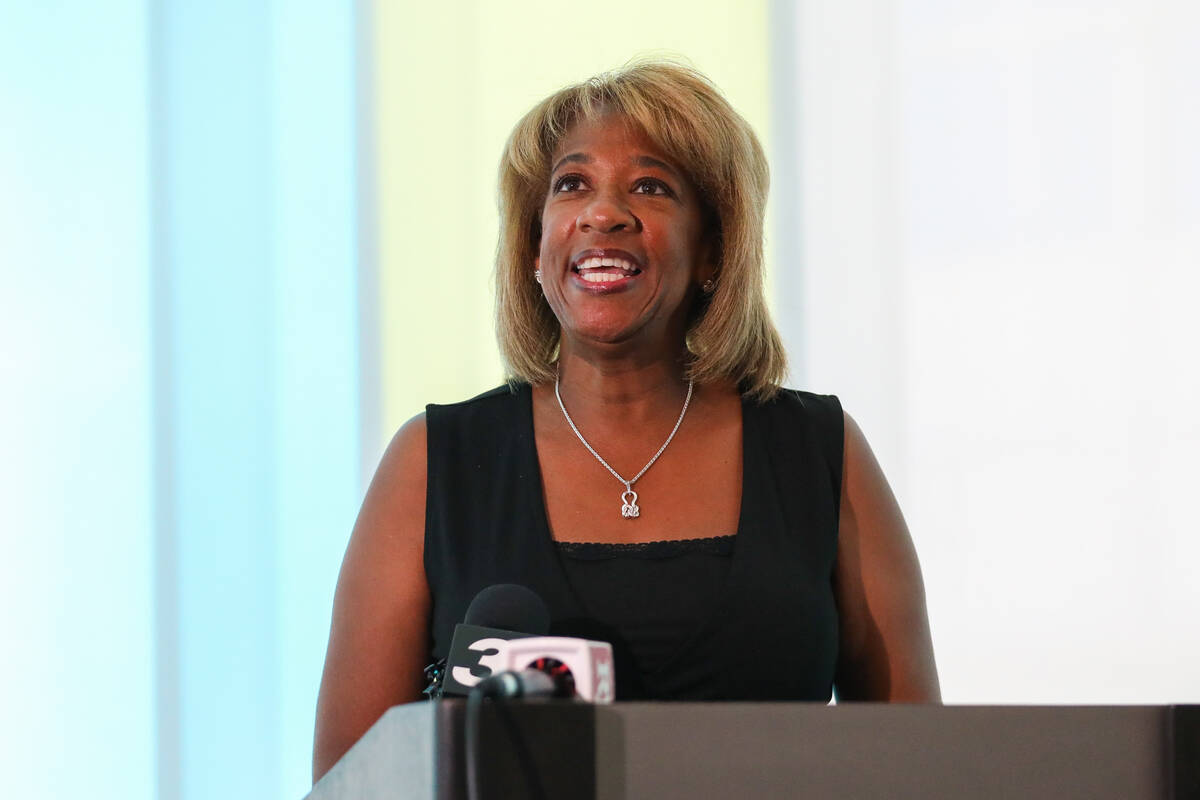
x=625, y=390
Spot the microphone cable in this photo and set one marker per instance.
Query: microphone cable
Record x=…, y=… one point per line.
x=501, y=687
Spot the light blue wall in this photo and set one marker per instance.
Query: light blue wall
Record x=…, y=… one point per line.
x=214, y=129
x=257, y=211
x=75, y=475
x=319, y=371
x=179, y=425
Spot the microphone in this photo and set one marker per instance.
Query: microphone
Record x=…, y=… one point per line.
x=500, y=649
x=526, y=683
x=498, y=614
x=576, y=668
x=521, y=665
x=511, y=607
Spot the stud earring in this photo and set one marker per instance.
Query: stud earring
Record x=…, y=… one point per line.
x=708, y=286
x=537, y=275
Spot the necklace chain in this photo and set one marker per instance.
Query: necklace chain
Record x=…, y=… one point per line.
x=629, y=506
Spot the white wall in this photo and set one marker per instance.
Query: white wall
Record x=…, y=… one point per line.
x=998, y=264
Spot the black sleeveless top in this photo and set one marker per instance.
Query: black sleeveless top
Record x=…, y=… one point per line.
x=769, y=633
x=652, y=595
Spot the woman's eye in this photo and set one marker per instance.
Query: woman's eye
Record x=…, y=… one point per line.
x=568, y=183
x=649, y=186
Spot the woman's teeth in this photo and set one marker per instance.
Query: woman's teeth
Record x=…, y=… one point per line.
x=606, y=261
x=602, y=277
x=605, y=269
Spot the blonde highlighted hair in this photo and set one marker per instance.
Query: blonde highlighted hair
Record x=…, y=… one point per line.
x=730, y=336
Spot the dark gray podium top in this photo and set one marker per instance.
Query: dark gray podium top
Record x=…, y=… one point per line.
x=750, y=750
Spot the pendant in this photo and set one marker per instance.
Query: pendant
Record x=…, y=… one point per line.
x=629, y=506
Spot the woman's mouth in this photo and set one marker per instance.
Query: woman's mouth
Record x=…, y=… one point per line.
x=605, y=269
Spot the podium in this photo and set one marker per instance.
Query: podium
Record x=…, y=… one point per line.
x=777, y=750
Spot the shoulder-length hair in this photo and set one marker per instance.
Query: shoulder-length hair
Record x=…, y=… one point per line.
x=730, y=334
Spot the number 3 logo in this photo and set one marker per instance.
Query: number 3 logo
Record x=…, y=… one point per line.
x=489, y=658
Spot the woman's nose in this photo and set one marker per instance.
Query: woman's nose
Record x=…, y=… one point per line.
x=607, y=212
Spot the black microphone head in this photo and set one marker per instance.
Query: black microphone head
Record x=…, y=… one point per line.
x=510, y=607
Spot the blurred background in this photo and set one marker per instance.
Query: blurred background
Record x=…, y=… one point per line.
x=242, y=242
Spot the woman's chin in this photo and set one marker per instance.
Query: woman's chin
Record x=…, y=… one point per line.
x=604, y=331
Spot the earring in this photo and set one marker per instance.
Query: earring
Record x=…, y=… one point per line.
x=708, y=286
x=537, y=275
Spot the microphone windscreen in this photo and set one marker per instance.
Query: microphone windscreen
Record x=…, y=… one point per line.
x=510, y=607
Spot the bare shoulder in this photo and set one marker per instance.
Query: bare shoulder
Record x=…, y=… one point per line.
x=866, y=495
x=392, y=518
x=379, y=632
x=863, y=481
x=400, y=480
x=886, y=647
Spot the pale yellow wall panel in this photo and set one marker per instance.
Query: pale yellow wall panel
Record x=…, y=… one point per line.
x=450, y=83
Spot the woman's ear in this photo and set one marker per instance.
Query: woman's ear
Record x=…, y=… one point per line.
x=710, y=265
x=706, y=275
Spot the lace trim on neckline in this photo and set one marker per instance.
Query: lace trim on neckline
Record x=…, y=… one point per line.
x=663, y=548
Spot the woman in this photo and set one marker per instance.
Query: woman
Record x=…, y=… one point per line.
x=757, y=554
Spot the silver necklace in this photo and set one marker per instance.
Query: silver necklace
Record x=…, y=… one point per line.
x=629, y=506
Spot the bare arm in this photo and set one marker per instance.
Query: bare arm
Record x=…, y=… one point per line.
x=380, y=630
x=886, y=649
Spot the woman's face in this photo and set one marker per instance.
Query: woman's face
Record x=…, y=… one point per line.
x=623, y=239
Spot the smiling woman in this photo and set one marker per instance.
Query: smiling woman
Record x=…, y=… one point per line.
x=692, y=147
x=614, y=187
x=643, y=472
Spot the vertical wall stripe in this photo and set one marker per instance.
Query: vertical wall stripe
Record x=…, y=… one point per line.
x=444, y=114
x=223, y=367
x=849, y=305
x=77, y=668
x=163, y=500
x=258, y=391
x=785, y=225
x=316, y=369
x=218, y=222
x=372, y=434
